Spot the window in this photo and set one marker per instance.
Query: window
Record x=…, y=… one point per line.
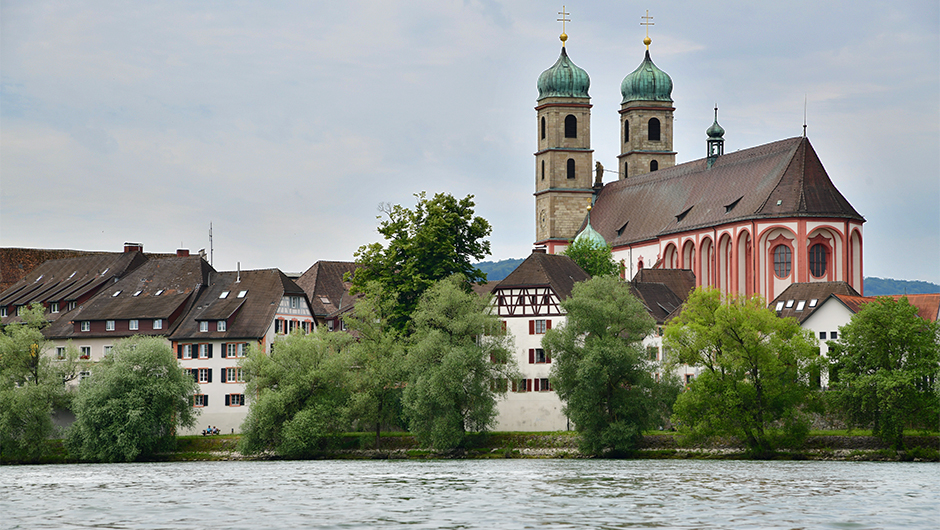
x=223, y=295
x=83, y=375
x=241, y=294
x=833, y=335
x=626, y=131
x=200, y=400
x=789, y=304
x=542, y=385
x=294, y=302
x=109, y=325
x=543, y=170
x=107, y=350
x=817, y=260
x=159, y=292
x=3, y=311
x=783, y=261
x=800, y=305
x=342, y=325
x=654, y=130
x=538, y=327
x=822, y=335
x=539, y=356
x=85, y=352
x=780, y=306
x=185, y=351
x=115, y=294
x=133, y=325
x=204, y=375
x=543, y=127
x=653, y=352
x=71, y=305
x=220, y=325
x=570, y=168
x=86, y=325
x=689, y=378
x=571, y=126
x=60, y=352
x=329, y=325
x=137, y=292
x=205, y=351
x=204, y=326
x=234, y=400
x=813, y=302
x=654, y=166
x=54, y=307
x=279, y=326
x=233, y=375
x=233, y=349
x=158, y=323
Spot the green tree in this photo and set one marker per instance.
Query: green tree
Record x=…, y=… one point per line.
x=378, y=356
x=132, y=403
x=299, y=394
x=438, y=238
x=595, y=259
x=459, y=363
x=600, y=369
x=32, y=386
x=887, y=362
x=756, y=380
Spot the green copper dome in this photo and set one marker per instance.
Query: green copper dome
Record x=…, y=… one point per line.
x=715, y=131
x=564, y=80
x=646, y=83
x=590, y=235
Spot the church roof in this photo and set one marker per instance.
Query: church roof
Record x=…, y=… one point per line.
x=541, y=269
x=775, y=180
x=646, y=83
x=564, y=80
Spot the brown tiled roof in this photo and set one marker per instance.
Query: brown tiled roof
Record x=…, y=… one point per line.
x=485, y=289
x=779, y=179
x=806, y=292
x=679, y=281
x=663, y=291
x=248, y=317
x=69, y=279
x=928, y=305
x=16, y=263
x=541, y=269
x=323, y=283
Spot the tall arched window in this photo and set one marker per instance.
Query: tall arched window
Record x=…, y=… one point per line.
x=626, y=131
x=626, y=166
x=571, y=168
x=654, y=165
x=571, y=126
x=817, y=260
x=783, y=261
x=654, y=130
x=543, y=127
x=543, y=170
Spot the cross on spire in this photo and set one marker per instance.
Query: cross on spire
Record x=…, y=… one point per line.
x=647, y=22
x=564, y=18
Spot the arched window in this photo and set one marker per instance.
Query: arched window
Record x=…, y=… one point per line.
x=543, y=127
x=783, y=261
x=571, y=168
x=817, y=260
x=626, y=166
x=571, y=126
x=654, y=165
x=543, y=170
x=626, y=131
x=654, y=130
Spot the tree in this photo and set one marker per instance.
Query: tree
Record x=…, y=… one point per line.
x=379, y=359
x=432, y=242
x=132, y=403
x=299, y=394
x=459, y=363
x=600, y=370
x=756, y=378
x=886, y=366
x=32, y=386
x=595, y=259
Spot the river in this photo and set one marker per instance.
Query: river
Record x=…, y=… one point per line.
x=491, y=494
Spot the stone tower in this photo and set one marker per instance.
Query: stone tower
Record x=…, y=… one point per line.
x=646, y=120
x=563, y=161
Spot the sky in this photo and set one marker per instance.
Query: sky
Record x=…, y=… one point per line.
x=286, y=124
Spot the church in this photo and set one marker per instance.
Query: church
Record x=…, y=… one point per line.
x=749, y=222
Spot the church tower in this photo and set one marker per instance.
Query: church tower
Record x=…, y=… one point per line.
x=646, y=118
x=563, y=159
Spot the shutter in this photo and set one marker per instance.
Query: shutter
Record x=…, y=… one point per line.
x=228, y=400
x=224, y=351
x=531, y=355
x=548, y=325
x=179, y=351
x=528, y=385
x=223, y=375
x=195, y=372
x=549, y=384
x=209, y=370
x=536, y=385
x=210, y=351
x=548, y=356
x=531, y=327
x=205, y=401
x=514, y=383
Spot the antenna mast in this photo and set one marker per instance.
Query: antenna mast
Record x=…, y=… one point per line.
x=211, y=251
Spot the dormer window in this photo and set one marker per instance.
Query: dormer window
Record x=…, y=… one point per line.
x=223, y=295
x=220, y=325
x=54, y=307
x=204, y=326
x=133, y=324
x=3, y=312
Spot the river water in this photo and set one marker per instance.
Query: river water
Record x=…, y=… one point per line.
x=491, y=494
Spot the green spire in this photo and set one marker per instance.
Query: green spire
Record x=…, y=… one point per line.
x=646, y=83
x=564, y=80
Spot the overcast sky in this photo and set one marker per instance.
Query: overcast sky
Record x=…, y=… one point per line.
x=285, y=124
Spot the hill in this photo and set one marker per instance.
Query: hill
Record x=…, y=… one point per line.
x=889, y=286
x=498, y=270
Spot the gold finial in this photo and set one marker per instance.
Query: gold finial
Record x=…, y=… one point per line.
x=647, y=23
x=590, y=208
x=564, y=18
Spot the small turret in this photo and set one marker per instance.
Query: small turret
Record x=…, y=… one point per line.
x=716, y=140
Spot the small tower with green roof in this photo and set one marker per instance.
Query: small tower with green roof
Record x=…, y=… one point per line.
x=646, y=117
x=563, y=161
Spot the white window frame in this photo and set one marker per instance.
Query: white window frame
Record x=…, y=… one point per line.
x=72, y=305
x=3, y=311
x=158, y=323
x=541, y=326
x=203, y=326
x=234, y=374
x=187, y=351
x=109, y=325
x=220, y=325
x=54, y=307
x=133, y=324
x=199, y=400
x=107, y=349
x=235, y=349
x=60, y=352
x=86, y=325
x=240, y=398
x=203, y=375
x=204, y=351
x=84, y=352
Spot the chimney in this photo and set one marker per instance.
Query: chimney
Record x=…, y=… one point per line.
x=133, y=247
x=182, y=252
x=538, y=250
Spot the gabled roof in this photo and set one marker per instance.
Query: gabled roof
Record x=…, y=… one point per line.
x=663, y=291
x=779, y=179
x=16, y=263
x=323, y=283
x=541, y=269
x=70, y=279
x=248, y=317
x=928, y=305
x=679, y=281
x=798, y=298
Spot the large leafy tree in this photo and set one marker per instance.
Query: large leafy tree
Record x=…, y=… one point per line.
x=32, y=385
x=132, y=404
x=599, y=367
x=459, y=363
x=435, y=240
x=756, y=380
x=595, y=259
x=299, y=394
x=886, y=365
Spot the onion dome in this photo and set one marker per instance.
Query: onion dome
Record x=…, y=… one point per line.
x=564, y=80
x=646, y=83
x=590, y=235
x=715, y=131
